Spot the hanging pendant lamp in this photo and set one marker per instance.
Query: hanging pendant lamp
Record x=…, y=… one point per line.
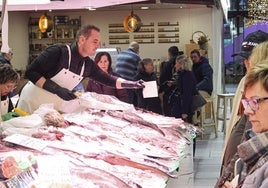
x=132, y=22
x=45, y=23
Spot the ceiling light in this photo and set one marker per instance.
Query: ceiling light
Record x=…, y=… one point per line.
x=45, y=23
x=144, y=8
x=90, y=8
x=132, y=22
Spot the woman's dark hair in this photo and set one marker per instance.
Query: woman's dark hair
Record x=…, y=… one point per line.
x=143, y=62
x=173, y=51
x=195, y=51
x=98, y=58
x=8, y=74
x=86, y=31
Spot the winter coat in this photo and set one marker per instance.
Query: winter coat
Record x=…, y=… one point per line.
x=181, y=97
x=152, y=104
x=204, y=75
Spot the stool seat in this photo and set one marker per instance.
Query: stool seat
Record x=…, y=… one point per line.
x=222, y=103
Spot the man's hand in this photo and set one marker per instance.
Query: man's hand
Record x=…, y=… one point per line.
x=63, y=93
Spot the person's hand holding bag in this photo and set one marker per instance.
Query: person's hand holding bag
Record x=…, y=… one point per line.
x=132, y=84
x=63, y=93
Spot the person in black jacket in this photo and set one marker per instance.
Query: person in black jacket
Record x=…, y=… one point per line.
x=146, y=73
x=165, y=76
x=183, y=90
x=203, y=74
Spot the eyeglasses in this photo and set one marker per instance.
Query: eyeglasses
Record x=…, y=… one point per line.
x=252, y=103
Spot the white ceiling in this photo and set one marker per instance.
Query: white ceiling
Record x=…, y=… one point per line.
x=68, y=4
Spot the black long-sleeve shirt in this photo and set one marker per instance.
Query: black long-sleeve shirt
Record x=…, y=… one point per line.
x=56, y=57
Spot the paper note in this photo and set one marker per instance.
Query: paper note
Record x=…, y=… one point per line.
x=26, y=141
x=150, y=89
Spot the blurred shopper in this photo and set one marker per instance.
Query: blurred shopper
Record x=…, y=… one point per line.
x=181, y=97
x=146, y=73
x=251, y=168
x=166, y=74
x=127, y=66
x=184, y=88
x=8, y=81
x=104, y=61
x=5, y=57
x=259, y=53
x=203, y=73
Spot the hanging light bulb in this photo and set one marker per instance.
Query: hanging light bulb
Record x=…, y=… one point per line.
x=132, y=22
x=45, y=23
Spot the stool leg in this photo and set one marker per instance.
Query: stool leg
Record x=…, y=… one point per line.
x=214, y=119
x=202, y=121
x=225, y=114
x=218, y=109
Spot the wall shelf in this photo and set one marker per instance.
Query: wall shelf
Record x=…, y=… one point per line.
x=167, y=24
x=146, y=34
x=63, y=31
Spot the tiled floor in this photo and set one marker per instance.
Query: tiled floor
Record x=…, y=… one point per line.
x=202, y=170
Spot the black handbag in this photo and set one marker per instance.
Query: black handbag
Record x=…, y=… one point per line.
x=197, y=102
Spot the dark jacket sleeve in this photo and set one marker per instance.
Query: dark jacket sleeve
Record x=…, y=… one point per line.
x=94, y=72
x=206, y=82
x=188, y=85
x=46, y=64
x=165, y=75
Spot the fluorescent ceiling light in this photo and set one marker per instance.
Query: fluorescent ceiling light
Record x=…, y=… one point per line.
x=144, y=8
x=25, y=2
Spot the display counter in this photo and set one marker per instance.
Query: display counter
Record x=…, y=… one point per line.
x=110, y=144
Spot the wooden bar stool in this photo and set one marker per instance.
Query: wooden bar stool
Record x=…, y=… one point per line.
x=203, y=113
x=224, y=98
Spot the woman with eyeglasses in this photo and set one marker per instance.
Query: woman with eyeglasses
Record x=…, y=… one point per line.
x=239, y=130
x=251, y=169
x=8, y=81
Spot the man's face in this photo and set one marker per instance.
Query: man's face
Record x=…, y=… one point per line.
x=195, y=58
x=88, y=47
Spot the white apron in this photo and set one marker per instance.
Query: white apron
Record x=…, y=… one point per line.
x=4, y=106
x=33, y=96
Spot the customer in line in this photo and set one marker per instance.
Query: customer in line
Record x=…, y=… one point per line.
x=252, y=165
x=127, y=67
x=259, y=53
x=238, y=122
x=8, y=80
x=59, y=68
x=183, y=90
x=203, y=73
x=104, y=61
x=146, y=73
x=166, y=74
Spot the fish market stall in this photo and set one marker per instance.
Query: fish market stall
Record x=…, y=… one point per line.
x=110, y=144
